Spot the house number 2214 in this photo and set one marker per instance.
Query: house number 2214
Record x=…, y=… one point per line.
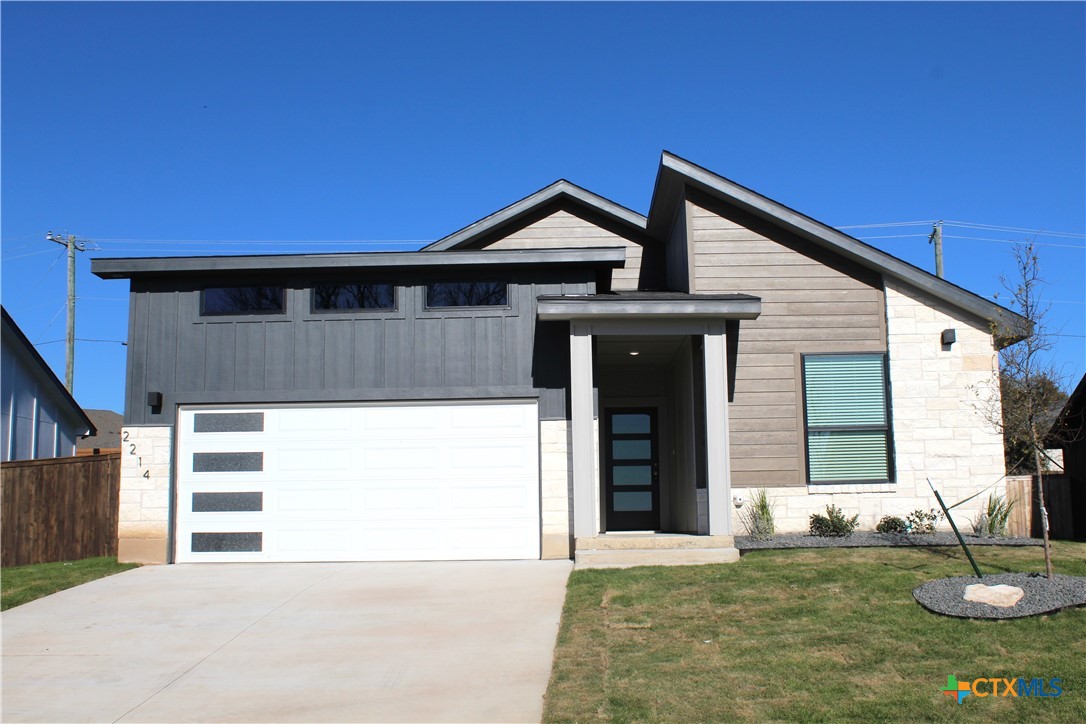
x=132, y=451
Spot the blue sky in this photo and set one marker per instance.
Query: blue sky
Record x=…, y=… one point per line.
x=143, y=127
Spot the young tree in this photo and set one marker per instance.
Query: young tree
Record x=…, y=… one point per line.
x=1032, y=397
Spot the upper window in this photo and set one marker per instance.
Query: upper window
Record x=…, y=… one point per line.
x=242, y=300
x=848, y=421
x=467, y=294
x=344, y=296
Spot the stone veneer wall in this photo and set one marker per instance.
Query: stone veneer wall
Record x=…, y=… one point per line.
x=556, y=462
x=143, y=527
x=938, y=429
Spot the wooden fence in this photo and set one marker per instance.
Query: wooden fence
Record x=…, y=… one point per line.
x=60, y=509
x=1025, y=520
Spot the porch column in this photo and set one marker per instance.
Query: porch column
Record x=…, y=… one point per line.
x=583, y=437
x=717, y=453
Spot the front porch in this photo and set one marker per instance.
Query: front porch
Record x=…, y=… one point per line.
x=649, y=386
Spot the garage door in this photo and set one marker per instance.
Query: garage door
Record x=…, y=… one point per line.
x=358, y=483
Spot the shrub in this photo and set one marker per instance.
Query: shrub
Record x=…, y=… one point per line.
x=833, y=524
x=992, y=522
x=758, y=518
x=892, y=524
x=922, y=522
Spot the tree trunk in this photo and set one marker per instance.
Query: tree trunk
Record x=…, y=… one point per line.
x=1040, y=481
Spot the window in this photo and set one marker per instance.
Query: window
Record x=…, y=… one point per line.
x=242, y=300
x=848, y=421
x=345, y=296
x=467, y=294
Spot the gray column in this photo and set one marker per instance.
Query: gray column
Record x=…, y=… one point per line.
x=585, y=520
x=717, y=452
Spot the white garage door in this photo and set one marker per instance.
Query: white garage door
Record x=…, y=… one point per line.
x=358, y=482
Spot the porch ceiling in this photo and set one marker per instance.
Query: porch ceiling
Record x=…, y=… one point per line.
x=651, y=351
x=649, y=306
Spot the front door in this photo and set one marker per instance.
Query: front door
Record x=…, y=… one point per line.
x=632, y=468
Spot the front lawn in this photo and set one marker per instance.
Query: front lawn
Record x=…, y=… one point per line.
x=20, y=584
x=807, y=635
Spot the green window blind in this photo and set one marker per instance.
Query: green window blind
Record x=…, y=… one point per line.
x=847, y=419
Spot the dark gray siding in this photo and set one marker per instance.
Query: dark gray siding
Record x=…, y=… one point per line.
x=301, y=356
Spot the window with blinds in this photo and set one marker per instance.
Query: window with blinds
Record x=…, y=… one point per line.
x=848, y=422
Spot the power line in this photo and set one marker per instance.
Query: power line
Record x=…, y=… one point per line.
x=82, y=339
x=891, y=223
x=267, y=242
x=1012, y=241
x=994, y=227
x=22, y=256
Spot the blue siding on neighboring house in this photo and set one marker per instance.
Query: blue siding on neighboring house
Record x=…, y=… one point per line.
x=40, y=419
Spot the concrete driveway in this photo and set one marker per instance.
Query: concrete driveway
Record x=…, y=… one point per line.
x=435, y=642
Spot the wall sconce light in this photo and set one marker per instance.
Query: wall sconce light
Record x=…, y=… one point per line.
x=949, y=337
x=154, y=399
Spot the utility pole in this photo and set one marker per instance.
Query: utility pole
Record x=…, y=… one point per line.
x=937, y=239
x=73, y=246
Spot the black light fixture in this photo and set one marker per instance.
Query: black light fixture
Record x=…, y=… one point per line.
x=154, y=399
x=949, y=337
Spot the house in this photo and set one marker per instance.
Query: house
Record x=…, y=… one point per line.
x=547, y=381
x=107, y=439
x=40, y=417
x=1068, y=434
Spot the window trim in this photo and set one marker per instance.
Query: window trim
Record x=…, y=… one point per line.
x=283, y=288
x=440, y=309
x=396, y=295
x=887, y=429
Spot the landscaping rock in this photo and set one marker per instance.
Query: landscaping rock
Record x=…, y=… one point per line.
x=1001, y=595
x=1040, y=595
x=870, y=539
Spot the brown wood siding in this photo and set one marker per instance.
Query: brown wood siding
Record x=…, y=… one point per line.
x=562, y=229
x=60, y=509
x=810, y=303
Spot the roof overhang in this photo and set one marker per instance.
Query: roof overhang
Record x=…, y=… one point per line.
x=673, y=307
x=606, y=257
x=677, y=174
x=557, y=192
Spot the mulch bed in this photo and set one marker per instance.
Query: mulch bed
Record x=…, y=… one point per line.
x=867, y=539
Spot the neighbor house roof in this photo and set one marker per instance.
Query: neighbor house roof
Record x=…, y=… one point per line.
x=21, y=345
x=108, y=434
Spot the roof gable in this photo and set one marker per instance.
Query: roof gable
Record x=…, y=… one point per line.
x=560, y=192
x=677, y=174
x=17, y=342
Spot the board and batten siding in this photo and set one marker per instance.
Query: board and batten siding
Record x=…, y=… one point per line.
x=301, y=356
x=809, y=304
x=562, y=229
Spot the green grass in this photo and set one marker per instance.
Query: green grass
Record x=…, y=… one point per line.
x=807, y=635
x=21, y=584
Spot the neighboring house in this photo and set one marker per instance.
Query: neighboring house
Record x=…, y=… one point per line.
x=1069, y=434
x=558, y=371
x=40, y=417
x=108, y=439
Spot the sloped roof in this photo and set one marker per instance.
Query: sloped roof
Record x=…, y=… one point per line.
x=558, y=191
x=677, y=174
x=108, y=435
x=15, y=337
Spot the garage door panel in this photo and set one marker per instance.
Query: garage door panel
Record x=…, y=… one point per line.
x=404, y=482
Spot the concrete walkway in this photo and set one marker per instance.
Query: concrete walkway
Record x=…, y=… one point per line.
x=348, y=642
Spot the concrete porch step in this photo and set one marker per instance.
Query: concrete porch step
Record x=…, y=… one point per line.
x=653, y=541
x=629, y=557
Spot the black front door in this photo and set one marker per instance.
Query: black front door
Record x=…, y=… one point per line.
x=632, y=469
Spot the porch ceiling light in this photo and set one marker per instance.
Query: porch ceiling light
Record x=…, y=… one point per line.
x=634, y=353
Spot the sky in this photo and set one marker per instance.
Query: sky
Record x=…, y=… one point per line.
x=166, y=129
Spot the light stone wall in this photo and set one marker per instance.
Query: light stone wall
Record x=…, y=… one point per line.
x=940, y=430
x=143, y=527
x=556, y=462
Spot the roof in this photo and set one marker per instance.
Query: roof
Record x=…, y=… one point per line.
x=108, y=435
x=654, y=305
x=1068, y=426
x=677, y=174
x=558, y=192
x=12, y=334
x=165, y=265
